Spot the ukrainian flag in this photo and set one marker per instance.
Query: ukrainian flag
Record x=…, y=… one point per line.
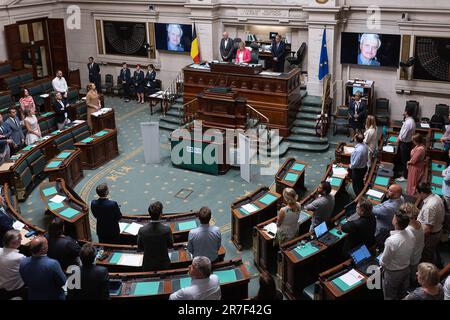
x=195, y=51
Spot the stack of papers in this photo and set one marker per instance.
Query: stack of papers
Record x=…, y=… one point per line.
x=250, y=208
x=388, y=148
x=101, y=111
x=340, y=172
x=268, y=73
x=348, y=150
x=133, y=228
x=58, y=199
x=425, y=125
x=44, y=95
x=123, y=226
x=128, y=259
x=17, y=225
x=78, y=121
x=271, y=228
x=351, y=278
x=375, y=194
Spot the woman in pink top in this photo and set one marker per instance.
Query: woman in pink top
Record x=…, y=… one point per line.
x=242, y=54
x=27, y=102
x=416, y=164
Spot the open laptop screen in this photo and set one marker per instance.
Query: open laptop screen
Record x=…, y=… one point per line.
x=321, y=229
x=360, y=254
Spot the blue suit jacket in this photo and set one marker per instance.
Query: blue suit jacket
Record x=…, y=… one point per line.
x=125, y=76
x=44, y=278
x=362, y=111
x=6, y=224
x=5, y=130
x=278, y=53
x=16, y=131
x=107, y=213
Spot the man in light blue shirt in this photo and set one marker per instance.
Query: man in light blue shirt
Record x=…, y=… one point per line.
x=205, y=240
x=358, y=164
x=446, y=193
x=384, y=212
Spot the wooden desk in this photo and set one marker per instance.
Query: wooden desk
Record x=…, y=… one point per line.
x=226, y=67
x=264, y=250
x=276, y=97
x=105, y=119
x=67, y=166
x=264, y=202
x=180, y=225
x=291, y=175
x=233, y=275
x=116, y=257
x=98, y=149
x=73, y=210
x=386, y=156
x=343, y=152
x=158, y=98
x=434, y=175
x=435, y=148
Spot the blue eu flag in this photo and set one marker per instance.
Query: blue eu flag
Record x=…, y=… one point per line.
x=323, y=64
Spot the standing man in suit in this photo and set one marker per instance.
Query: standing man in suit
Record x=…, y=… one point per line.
x=94, y=73
x=14, y=125
x=357, y=114
x=108, y=215
x=60, y=108
x=94, y=279
x=125, y=81
x=278, y=52
x=226, y=48
x=42, y=275
x=155, y=239
x=5, y=141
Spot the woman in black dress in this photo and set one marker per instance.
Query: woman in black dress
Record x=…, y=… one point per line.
x=150, y=78
x=139, y=83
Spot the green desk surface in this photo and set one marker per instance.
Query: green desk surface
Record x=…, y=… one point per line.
x=382, y=181
x=115, y=258
x=437, y=180
x=437, y=135
x=343, y=286
x=437, y=167
x=306, y=250
x=53, y=164
x=69, y=213
x=56, y=132
x=49, y=191
x=303, y=216
x=436, y=190
x=28, y=148
x=101, y=133
x=298, y=167
x=186, y=225
x=87, y=140
x=226, y=275
x=63, y=155
x=55, y=206
x=291, y=177
x=46, y=114
x=392, y=139
x=185, y=282
x=146, y=288
x=267, y=199
x=334, y=232
x=335, y=182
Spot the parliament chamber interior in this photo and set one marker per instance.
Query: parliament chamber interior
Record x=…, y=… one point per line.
x=225, y=150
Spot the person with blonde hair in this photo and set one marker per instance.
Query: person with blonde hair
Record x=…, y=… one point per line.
x=430, y=288
x=32, y=125
x=242, y=54
x=414, y=228
x=416, y=164
x=370, y=137
x=92, y=102
x=287, y=220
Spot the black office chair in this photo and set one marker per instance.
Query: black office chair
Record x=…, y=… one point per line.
x=299, y=58
x=443, y=111
x=254, y=53
x=236, y=42
x=382, y=113
x=340, y=120
x=108, y=85
x=415, y=108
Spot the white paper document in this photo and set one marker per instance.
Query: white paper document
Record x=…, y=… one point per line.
x=388, y=149
x=348, y=150
x=425, y=125
x=133, y=228
x=271, y=228
x=123, y=226
x=339, y=172
x=128, y=259
x=352, y=277
x=17, y=225
x=44, y=95
x=374, y=193
x=250, y=208
x=58, y=199
x=78, y=121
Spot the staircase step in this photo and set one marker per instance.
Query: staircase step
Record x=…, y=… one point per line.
x=168, y=126
x=283, y=149
x=176, y=106
x=309, y=109
x=173, y=112
x=312, y=101
x=308, y=146
x=170, y=119
x=179, y=100
x=305, y=115
x=303, y=93
x=305, y=123
x=306, y=139
x=303, y=131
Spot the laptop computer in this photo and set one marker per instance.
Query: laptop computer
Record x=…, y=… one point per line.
x=323, y=235
x=363, y=259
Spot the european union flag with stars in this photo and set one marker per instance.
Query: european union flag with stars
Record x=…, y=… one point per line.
x=323, y=64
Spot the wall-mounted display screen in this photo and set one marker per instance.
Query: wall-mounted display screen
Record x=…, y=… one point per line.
x=432, y=59
x=173, y=37
x=125, y=38
x=370, y=49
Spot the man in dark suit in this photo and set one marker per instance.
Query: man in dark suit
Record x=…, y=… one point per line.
x=125, y=81
x=42, y=275
x=155, y=239
x=226, y=48
x=14, y=125
x=278, y=52
x=107, y=213
x=357, y=112
x=94, y=284
x=5, y=141
x=61, y=115
x=6, y=222
x=362, y=229
x=94, y=74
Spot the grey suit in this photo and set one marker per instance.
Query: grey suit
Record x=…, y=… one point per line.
x=226, y=51
x=16, y=130
x=384, y=212
x=322, y=207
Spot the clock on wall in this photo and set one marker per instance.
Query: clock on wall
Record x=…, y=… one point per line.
x=321, y=1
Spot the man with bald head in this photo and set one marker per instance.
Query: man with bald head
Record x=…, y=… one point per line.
x=226, y=47
x=43, y=276
x=384, y=212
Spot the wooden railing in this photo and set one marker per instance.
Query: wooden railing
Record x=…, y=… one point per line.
x=173, y=92
x=188, y=112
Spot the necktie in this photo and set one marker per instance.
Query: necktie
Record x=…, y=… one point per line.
x=15, y=120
